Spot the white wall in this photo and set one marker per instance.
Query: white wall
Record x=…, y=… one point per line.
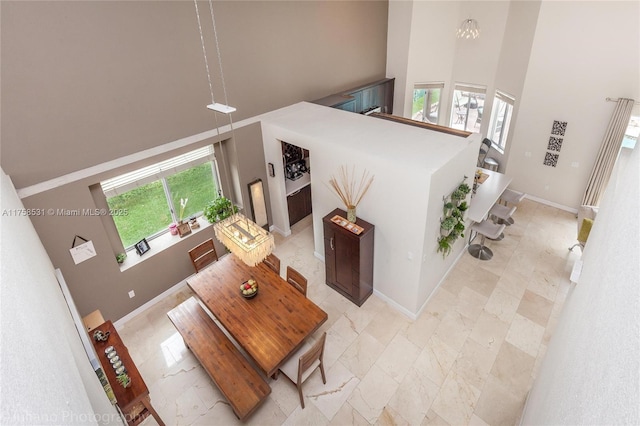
x=560, y=59
x=582, y=53
x=443, y=182
x=401, y=199
x=591, y=371
x=398, y=39
x=45, y=375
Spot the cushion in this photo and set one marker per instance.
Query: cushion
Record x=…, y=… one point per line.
x=585, y=229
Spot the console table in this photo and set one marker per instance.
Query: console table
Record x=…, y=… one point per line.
x=133, y=401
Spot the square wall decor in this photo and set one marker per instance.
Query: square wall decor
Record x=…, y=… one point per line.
x=554, y=144
x=559, y=127
x=551, y=159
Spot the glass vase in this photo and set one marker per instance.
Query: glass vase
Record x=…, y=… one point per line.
x=351, y=214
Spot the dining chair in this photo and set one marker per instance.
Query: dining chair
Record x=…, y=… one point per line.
x=203, y=254
x=297, y=280
x=485, y=146
x=304, y=362
x=273, y=262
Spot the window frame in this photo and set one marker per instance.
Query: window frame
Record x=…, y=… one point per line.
x=160, y=172
x=428, y=86
x=500, y=143
x=455, y=114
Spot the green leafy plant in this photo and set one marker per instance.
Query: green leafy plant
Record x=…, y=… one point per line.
x=123, y=379
x=120, y=257
x=464, y=188
x=448, y=207
x=219, y=209
x=458, y=229
x=444, y=246
x=458, y=195
x=448, y=223
x=463, y=206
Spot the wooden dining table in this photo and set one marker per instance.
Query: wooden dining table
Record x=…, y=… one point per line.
x=271, y=326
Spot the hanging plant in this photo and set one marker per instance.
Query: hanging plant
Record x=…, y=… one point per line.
x=219, y=209
x=444, y=246
x=447, y=225
x=448, y=208
x=464, y=188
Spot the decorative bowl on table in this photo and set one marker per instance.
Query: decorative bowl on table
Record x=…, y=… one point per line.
x=249, y=289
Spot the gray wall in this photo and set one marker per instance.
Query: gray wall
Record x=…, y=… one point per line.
x=84, y=83
x=87, y=82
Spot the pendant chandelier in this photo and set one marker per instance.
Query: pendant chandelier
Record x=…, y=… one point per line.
x=241, y=236
x=469, y=28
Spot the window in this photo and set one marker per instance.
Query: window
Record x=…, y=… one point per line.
x=467, y=107
x=500, y=120
x=426, y=102
x=150, y=197
x=633, y=131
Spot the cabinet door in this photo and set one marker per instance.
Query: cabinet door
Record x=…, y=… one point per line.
x=329, y=257
x=306, y=196
x=295, y=205
x=372, y=97
x=344, y=252
x=348, y=106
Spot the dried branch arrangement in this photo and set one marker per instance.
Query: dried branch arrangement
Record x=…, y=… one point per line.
x=348, y=187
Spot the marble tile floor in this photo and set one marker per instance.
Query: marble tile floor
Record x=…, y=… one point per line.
x=470, y=358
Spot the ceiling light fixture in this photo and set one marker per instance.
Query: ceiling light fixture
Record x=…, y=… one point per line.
x=469, y=28
x=243, y=237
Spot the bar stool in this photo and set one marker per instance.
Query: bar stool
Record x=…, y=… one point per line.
x=501, y=215
x=509, y=196
x=487, y=229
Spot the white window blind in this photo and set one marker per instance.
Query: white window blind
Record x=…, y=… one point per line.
x=463, y=87
x=427, y=86
x=504, y=97
x=128, y=181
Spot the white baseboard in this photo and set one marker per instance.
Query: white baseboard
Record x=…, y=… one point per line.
x=176, y=288
x=552, y=204
x=404, y=311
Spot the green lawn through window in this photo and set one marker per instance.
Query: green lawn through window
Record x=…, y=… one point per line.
x=148, y=209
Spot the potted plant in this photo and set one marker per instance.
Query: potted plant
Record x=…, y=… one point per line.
x=120, y=257
x=444, y=246
x=124, y=380
x=448, y=208
x=464, y=188
x=457, y=196
x=458, y=229
x=447, y=225
x=219, y=209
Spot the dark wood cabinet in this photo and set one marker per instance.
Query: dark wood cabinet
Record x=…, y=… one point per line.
x=378, y=94
x=349, y=258
x=299, y=204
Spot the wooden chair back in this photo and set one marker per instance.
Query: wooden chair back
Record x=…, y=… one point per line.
x=297, y=280
x=273, y=262
x=308, y=362
x=203, y=254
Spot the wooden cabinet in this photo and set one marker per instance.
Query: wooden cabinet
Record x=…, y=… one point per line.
x=349, y=258
x=363, y=98
x=299, y=204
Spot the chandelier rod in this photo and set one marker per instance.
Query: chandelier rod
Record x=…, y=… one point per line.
x=226, y=100
x=215, y=116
